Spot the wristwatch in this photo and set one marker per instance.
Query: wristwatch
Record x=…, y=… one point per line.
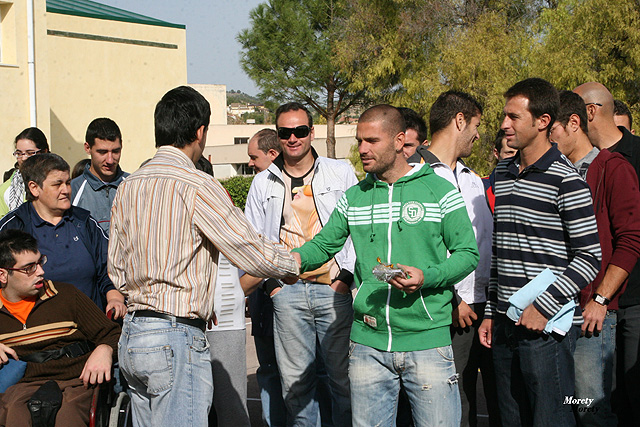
x=601, y=300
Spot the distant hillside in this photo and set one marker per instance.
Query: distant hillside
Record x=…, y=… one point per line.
x=242, y=98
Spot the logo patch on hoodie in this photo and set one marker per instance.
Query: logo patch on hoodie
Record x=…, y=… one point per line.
x=370, y=320
x=412, y=212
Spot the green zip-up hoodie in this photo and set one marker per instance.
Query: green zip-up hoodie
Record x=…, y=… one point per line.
x=414, y=222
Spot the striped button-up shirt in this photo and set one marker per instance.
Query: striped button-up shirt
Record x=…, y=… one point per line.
x=543, y=218
x=169, y=221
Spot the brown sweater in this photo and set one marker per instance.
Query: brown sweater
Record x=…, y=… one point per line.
x=62, y=315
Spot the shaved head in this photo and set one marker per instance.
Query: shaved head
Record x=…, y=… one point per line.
x=603, y=131
x=596, y=93
x=391, y=118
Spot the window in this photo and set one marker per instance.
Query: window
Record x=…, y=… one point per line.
x=241, y=140
x=244, y=169
x=7, y=33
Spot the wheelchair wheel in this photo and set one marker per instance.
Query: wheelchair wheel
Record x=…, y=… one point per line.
x=120, y=415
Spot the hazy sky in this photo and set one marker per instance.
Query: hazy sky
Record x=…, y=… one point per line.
x=212, y=26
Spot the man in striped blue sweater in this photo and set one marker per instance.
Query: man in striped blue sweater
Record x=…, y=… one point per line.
x=543, y=219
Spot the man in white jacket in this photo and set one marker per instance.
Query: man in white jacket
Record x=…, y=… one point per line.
x=454, y=120
x=289, y=203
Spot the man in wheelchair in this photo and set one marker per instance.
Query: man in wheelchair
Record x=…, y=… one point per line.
x=58, y=331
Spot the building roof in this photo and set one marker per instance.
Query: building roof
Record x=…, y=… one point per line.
x=92, y=9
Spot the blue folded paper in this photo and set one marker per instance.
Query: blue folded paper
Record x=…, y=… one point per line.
x=561, y=322
x=11, y=373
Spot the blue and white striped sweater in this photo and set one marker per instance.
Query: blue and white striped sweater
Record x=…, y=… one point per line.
x=543, y=218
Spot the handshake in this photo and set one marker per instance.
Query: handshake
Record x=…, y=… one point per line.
x=271, y=286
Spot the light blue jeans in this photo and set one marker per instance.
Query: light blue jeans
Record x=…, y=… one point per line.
x=306, y=314
x=274, y=413
x=168, y=368
x=428, y=376
x=593, y=361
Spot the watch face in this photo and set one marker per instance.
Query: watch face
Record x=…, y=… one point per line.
x=600, y=299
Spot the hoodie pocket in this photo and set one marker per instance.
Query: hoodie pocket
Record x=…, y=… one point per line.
x=369, y=305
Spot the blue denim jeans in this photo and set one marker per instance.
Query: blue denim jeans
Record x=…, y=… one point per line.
x=627, y=384
x=168, y=368
x=306, y=314
x=274, y=413
x=470, y=357
x=593, y=360
x=534, y=375
x=428, y=376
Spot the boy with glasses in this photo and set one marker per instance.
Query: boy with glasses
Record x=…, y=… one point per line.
x=52, y=327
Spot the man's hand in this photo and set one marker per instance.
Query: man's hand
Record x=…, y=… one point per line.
x=463, y=315
x=532, y=319
x=297, y=257
x=115, y=300
x=5, y=352
x=275, y=291
x=340, y=287
x=413, y=282
x=594, y=315
x=213, y=321
x=290, y=280
x=97, y=369
x=485, y=332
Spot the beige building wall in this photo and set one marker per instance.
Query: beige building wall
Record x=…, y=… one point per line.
x=104, y=68
x=217, y=97
x=15, y=112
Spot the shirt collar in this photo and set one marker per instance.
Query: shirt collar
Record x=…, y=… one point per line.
x=39, y=222
x=173, y=155
x=96, y=183
x=433, y=160
x=624, y=145
x=542, y=164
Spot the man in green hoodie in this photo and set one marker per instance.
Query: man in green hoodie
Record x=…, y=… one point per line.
x=408, y=217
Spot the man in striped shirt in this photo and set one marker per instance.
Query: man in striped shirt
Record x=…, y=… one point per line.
x=543, y=219
x=169, y=222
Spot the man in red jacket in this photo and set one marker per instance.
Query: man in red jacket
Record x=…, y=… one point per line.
x=616, y=201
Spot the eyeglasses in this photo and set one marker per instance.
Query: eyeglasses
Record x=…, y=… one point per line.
x=30, y=269
x=592, y=103
x=554, y=127
x=300, y=132
x=17, y=154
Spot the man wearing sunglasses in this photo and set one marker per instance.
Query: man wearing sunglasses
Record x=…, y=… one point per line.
x=289, y=203
x=52, y=327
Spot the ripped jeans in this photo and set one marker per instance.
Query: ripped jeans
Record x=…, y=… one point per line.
x=428, y=376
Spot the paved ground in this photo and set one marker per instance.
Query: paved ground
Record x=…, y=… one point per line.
x=253, y=394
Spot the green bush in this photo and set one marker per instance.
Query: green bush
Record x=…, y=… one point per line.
x=238, y=187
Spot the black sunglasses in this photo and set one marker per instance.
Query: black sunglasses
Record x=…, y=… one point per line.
x=300, y=132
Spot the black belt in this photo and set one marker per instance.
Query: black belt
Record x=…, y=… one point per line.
x=75, y=349
x=198, y=323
